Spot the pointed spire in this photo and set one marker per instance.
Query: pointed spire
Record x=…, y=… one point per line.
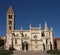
x=10, y=10
x=51, y=29
x=46, y=27
x=30, y=26
x=40, y=26
x=21, y=28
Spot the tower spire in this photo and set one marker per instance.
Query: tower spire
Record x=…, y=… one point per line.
x=30, y=26
x=46, y=27
x=40, y=26
x=10, y=10
x=51, y=29
x=21, y=28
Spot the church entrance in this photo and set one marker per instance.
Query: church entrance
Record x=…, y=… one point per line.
x=50, y=46
x=43, y=46
x=25, y=46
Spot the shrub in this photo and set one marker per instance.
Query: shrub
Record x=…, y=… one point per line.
x=11, y=48
x=53, y=52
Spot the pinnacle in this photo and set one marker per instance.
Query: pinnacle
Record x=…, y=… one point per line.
x=46, y=27
x=10, y=10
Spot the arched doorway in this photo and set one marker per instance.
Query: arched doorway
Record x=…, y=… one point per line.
x=43, y=46
x=22, y=46
x=25, y=46
x=50, y=46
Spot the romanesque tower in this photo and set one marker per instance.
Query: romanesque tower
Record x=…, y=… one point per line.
x=10, y=24
x=33, y=39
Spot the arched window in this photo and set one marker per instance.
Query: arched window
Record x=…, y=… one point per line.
x=43, y=35
x=10, y=27
x=10, y=16
x=10, y=22
x=22, y=34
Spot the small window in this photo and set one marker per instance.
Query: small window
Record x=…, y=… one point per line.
x=10, y=16
x=10, y=22
x=15, y=41
x=10, y=28
x=43, y=35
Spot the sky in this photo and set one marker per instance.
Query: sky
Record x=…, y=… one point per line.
x=32, y=12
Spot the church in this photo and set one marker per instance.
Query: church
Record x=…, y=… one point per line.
x=32, y=39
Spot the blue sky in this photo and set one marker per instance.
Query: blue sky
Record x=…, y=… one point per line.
x=33, y=12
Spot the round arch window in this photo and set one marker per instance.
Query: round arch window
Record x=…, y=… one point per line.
x=35, y=37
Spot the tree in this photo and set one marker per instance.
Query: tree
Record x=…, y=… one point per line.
x=1, y=42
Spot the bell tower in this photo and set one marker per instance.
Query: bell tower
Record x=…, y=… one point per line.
x=10, y=20
x=9, y=26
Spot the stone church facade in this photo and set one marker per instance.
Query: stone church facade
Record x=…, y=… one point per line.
x=33, y=39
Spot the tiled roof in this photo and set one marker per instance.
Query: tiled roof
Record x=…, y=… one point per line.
x=10, y=10
x=57, y=39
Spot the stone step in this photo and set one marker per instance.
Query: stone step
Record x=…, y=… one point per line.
x=29, y=53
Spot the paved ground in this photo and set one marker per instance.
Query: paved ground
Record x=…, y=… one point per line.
x=29, y=53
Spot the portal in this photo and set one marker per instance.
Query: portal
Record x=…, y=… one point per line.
x=25, y=46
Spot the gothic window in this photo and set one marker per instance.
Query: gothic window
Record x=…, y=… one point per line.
x=15, y=41
x=10, y=28
x=10, y=22
x=42, y=34
x=10, y=16
x=22, y=34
